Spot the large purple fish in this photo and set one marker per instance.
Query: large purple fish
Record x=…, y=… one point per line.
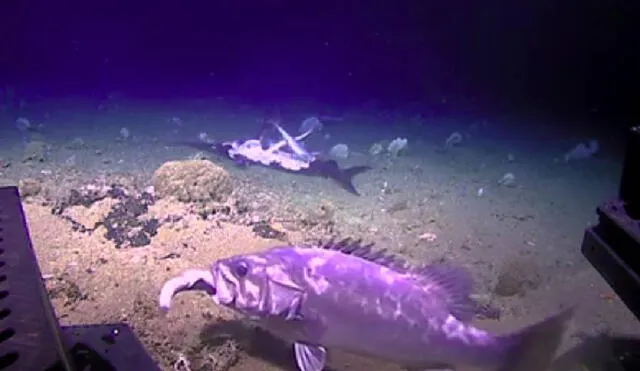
x=347, y=296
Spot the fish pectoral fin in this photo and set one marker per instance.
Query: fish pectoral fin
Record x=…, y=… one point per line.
x=310, y=357
x=293, y=312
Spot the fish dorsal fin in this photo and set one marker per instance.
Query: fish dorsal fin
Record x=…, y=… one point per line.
x=357, y=248
x=451, y=284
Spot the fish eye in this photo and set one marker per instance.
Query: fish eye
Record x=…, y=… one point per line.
x=241, y=269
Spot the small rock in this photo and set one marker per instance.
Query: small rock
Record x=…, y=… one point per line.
x=64, y=289
x=266, y=230
x=36, y=151
x=29, y=187
x=192, y=181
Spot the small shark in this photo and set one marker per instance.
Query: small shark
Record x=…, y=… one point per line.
x=252, y=151
x=346, y=295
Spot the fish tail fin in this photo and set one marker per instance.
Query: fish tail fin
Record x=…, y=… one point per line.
x=534, y=347
x=345, y=177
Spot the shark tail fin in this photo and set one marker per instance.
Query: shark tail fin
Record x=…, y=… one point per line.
x=345, y=177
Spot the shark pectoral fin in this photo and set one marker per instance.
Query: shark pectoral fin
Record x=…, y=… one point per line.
x=276, y=146
x=310, y=357
x=304, y=135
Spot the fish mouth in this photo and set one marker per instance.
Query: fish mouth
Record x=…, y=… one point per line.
x=191, y=280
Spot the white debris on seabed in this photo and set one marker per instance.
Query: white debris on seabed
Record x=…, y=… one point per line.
x=340, y=151
x=397, y=146
x=23, y=124
x=175, y=121
x=453, y=140
x=507, y=180
x=310, y=124
x=582, y=151
x=376, y=149
x=124, y=134
x=204, y=137
x=428, y=236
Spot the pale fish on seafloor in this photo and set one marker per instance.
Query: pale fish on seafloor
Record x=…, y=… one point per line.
x=346, y=295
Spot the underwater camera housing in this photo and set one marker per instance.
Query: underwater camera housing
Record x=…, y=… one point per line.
x=30, y=335
x=613, y=245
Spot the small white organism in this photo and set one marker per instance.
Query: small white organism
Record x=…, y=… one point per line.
x=23, y=124
x=310, y=124
x=204, y=137
x=453, y=140
x=582, y=151
x=507, y=180
x=124, y=133
x=376, y=149
x=340, y=150
x=396, y=146
x=175, y=120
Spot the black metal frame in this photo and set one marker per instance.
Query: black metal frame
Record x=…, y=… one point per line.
x=30, y=335
x=613, y=245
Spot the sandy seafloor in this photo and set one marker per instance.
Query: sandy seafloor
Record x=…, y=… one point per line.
x=423, y=205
